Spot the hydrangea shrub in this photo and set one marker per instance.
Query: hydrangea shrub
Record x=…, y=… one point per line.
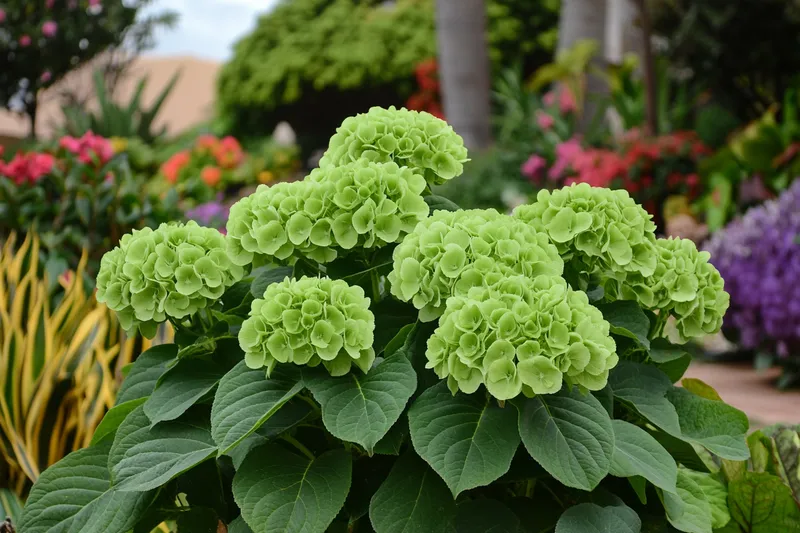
x=456, y=371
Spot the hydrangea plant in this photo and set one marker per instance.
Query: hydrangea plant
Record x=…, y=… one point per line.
x=413, y=139
x=509, y=395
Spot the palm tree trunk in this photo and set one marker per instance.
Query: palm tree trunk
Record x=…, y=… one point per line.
x=464, y=69
x=580, y=20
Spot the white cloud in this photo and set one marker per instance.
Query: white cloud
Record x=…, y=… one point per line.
x=208, y=28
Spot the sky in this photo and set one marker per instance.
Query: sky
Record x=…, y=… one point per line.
x=207, y=28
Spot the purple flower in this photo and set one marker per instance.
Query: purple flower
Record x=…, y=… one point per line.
x=211, y=214
x=758, y=255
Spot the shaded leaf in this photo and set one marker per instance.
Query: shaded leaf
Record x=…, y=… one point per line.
x=761, y=503
x=266, y=277
x=637, y=453
x=644, y=388
x=113, y=418
x=486, y=516
x=144, y=374
x=627, y=319
x=592, y=518
x=181, y=387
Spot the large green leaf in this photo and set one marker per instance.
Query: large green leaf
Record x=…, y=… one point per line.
x=245, y=399
x=687, y=509
x=144, y=457
x=412, y=498
x=75, y=496
x=592, y=518
x=645, y=387
x=663, y=351
x=362, y=408
x=570, y=435
x=181, y=387
x=467, y=438
x=761, y=503
x=627, y=319
x=281, y=491
x=239, y=526
x=440, y=203
x=713, y=424
x=113, y=418
x=266, y=277
x=637, y=453
x=716, y=495
x=144, y=374
x=486, y=516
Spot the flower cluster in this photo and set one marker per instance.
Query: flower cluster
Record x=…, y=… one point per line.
x=170, y=272
x=211, y=214
x=522, y=335
x=362, y=204
x=598, y=232
x=759, y=257
x=27, y=168
x=307, y=322
x=90, y=149
x=413, y=139
x=210, y=165
x=684, y=285
x=451, y=252
x=428, y=96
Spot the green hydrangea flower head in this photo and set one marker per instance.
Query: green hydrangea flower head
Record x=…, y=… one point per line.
x=412, y=139
x=307, y=322
x=685, y=285
x=453, y=251
x=172, y=271
x=359, y=205
x=597, y=231
x=522, y=335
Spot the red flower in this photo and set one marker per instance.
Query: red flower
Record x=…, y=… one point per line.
x=228, y=153
x=171, y=169
x=211, y=176
x=91, y=149
x=28, y=168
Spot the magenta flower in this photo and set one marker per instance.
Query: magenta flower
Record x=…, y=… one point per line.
x=25, y=41
x=2, y=15
x=544, y=120
x=566, y=153
x=46, y=76
x=49, y=3
x=93, y=3
x=532, y=168
x=49, y=29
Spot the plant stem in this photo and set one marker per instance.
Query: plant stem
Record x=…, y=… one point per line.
x=299, y=445
x=376, y=286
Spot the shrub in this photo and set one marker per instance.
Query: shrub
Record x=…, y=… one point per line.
x=559, y=410
x=78, y=195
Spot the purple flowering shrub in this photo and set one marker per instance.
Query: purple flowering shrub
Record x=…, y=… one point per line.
x=758, y=255
x=211, y=214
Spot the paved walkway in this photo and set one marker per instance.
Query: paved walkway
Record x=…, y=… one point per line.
x=751, y=391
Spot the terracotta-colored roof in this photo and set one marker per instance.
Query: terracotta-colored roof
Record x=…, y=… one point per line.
x=190, y=103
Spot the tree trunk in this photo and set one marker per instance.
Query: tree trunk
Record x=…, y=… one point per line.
x=649, y=70
x=464, y=69
x=580, y=20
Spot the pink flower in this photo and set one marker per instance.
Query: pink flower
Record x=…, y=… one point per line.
x=532, y=168
x=49, y=29
x=71, y=144
x=49, y=4
x=544, y=120
x=91, y=149
x=549, y=98
x=2, y=15
x=46, y=76
x=566, y=153
x=566, y=101
x=25, y=40
x=93, y=3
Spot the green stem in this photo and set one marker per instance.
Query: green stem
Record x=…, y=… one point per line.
x=376, y=286
x=299, y=445
x=310, y=402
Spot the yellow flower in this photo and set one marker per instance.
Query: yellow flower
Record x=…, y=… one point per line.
x=265, y=176
x=119, y=144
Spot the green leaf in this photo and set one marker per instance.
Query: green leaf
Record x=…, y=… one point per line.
x=663, y=351
x=239, y=526
x=267, y=277
x=676, y=369
x=362, y=408
x=700, y=388
x=627, y=319
x=468, y=439
x=440, y=203
x=288, y=416
x=181, y=387
x=197, y=520
x=636, y=453
x=113, y=418
x=761, y=503
x=592, y=518
x=238, y=296
x=246, y=398
x=391, y=443
x=715, y=425
x=281, y=491
x=644, y=387
x=399, y=340
x=412, y=498
x=486, y=516
x=144, y=373
x=11, y=506
x=687, y=509
x=570, y=435
x=685, y=453
x=391, y=317
x=144, y=458
x=716, y=496
x=75, y=496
